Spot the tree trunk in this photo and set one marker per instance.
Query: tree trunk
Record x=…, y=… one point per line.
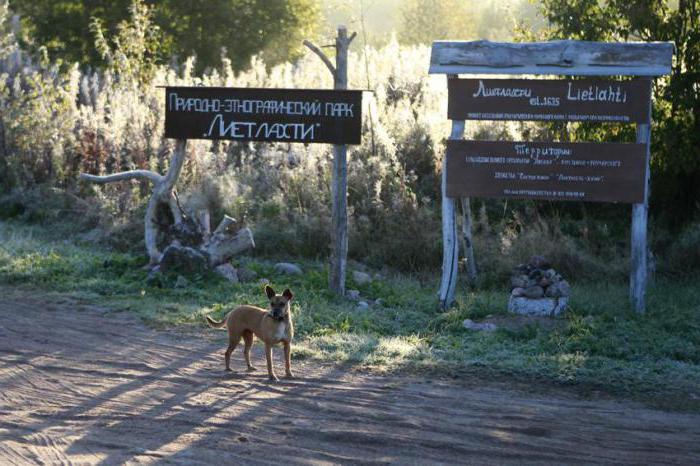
x=339, y=183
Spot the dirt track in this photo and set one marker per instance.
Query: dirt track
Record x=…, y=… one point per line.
x=82, y=385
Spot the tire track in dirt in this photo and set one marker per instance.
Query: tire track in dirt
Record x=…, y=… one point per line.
x=80, y=384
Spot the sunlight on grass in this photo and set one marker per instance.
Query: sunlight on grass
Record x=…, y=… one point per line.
x=599, y=342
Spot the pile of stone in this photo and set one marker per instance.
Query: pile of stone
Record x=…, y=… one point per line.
x=537, y=289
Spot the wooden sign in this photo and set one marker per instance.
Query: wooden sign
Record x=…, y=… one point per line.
x=607, y=172
x=549, y=100
x=251, y=114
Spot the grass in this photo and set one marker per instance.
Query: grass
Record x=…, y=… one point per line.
x=599, y=345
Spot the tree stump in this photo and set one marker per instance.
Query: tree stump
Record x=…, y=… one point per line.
x=192, y=246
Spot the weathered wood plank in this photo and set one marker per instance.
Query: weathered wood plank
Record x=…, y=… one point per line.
x=450, y=245
x=467, y=227
x=640, y=213
x=339, y=182
x=563, y=57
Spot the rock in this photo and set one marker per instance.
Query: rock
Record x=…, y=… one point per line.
x=228, y=272
x=537, y=307
x=533, y=292
x=378, y=302
x=544, y=282
x=264, y=281
x=246, y=275
x=539, y=262
x=518, y=291
x=485, y=326
x=181, y=282
x=363, y=305
x=353, y=294
x=553, y=291
x=551, y=274
x=564, y=288
x=183, y=260
x=519, y=281
x=361, y=278
x=288, y=268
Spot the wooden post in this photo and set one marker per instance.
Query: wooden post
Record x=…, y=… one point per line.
x=467, y=238
x=640, y=213
x=339, y=182
x=450, y=244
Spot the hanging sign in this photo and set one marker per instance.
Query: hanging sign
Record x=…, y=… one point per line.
x=604, y=172
x=549, y=100
x=273, y=115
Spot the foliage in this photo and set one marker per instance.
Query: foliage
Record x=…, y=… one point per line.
x=275, y=30
x=600, y=344
x=134, y=48
x=423, y=21
x=6, y=36
x=243, y=27
x=676, y=129
x=60, y=122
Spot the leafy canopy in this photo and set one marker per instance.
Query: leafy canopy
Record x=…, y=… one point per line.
x=200, y=27
x=676, y=127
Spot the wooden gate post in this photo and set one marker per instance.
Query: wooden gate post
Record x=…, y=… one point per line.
x=638, y=240
x=467, y=225
x=339, y=182
x=450, y=244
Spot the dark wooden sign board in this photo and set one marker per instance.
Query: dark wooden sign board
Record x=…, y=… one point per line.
x=272, y=115
x=549, y=100
x=607, y=172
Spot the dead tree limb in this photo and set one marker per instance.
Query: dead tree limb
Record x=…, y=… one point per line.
x=324, y=58
x=162, y=193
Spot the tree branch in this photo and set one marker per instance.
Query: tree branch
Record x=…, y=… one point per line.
x=132, y=174
x=321, y=55
x=176, y=164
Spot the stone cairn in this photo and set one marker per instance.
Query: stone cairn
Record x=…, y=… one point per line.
x=537, y=289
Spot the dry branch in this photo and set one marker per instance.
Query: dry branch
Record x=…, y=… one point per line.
x=324, y=58
x=131, y=174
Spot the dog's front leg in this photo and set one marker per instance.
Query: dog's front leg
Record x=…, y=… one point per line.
x=288, y=359
x=268, y=355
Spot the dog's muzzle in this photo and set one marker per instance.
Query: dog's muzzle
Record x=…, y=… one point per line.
x=277, y=317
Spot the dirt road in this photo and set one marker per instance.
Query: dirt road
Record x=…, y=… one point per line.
x=79, y=384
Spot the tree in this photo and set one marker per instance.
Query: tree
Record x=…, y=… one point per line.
x=201, y=27
x=244, y=27
x=675, y=192
x=63, y=26
x=423, y=21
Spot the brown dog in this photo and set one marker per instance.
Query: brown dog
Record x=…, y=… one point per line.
x=273, y=325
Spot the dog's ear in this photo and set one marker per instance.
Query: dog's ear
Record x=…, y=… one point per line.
x=287, y=294
x=269, y=292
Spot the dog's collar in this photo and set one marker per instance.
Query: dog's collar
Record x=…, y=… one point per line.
x=278, y=319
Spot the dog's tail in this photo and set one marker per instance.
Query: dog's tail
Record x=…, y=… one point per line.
x=214, y=324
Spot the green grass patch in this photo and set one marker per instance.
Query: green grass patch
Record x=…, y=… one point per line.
x=600, y=343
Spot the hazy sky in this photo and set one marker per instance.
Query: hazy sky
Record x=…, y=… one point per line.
x=493, y=19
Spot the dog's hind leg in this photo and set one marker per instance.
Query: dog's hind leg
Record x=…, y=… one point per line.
x=248, y=339
x=233, y=340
